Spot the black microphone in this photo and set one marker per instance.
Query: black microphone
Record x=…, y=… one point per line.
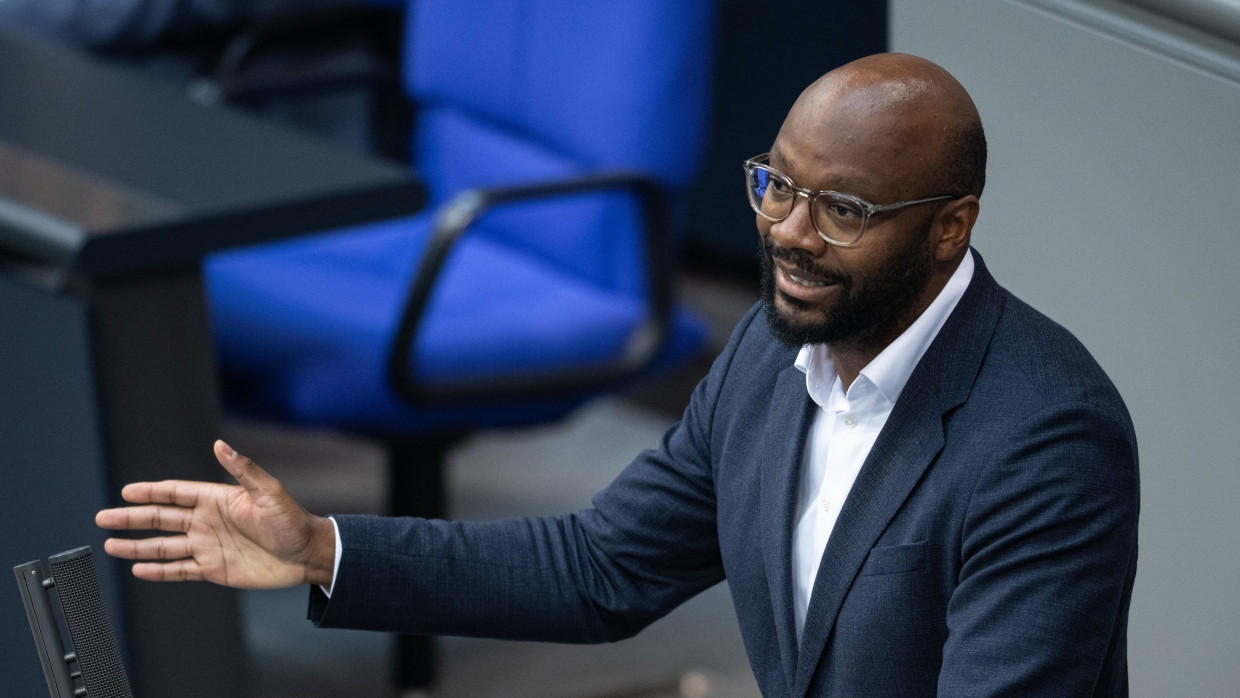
x=91, y=665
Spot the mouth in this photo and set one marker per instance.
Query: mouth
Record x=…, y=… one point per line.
x=802, y=281
x=796, y=281
x=803, y=286
x=800, y=277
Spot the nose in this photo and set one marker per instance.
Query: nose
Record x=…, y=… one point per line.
x=796, y=230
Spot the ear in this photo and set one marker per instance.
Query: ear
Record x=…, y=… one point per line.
x=955, y=228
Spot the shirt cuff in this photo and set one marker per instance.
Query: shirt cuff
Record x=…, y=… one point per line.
x=335, y=565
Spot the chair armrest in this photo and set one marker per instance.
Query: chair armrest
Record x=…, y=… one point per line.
x=452, y=221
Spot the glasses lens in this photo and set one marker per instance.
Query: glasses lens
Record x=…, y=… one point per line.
x=770, y=193
x=839, y=217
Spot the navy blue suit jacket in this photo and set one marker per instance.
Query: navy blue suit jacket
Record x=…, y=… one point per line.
x=988, y=546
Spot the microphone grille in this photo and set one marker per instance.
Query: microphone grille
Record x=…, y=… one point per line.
x=103, y=671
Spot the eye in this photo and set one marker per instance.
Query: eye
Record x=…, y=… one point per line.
x=778, y=186
x=841, y=209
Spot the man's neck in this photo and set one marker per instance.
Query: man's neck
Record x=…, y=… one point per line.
x=850, y=357
x=848, y=365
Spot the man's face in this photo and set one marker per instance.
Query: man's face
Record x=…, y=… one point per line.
x=858, y=297
x=809, y=303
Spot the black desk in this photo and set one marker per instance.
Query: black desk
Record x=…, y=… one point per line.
x=112, y=188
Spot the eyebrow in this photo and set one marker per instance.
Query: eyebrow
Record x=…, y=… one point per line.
x=843, y=184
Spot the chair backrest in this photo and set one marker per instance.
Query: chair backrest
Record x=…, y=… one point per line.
x=513, y=91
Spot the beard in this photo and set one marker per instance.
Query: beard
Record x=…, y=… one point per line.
x=869, y=308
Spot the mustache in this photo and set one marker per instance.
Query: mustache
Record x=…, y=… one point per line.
x=802, y=261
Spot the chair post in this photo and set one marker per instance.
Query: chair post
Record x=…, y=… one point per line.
x=417, y=487
x=416, y=476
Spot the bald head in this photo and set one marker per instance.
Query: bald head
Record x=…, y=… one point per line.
x=899, y=133
x=898, y=79
x=905, y=114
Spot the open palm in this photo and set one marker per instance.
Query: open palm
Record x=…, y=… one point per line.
x=252, y=535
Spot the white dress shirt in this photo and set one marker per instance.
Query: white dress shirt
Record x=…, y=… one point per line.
x=846, y=425
x=335, y=565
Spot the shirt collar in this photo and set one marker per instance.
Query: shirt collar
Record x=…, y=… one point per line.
x=890, y=370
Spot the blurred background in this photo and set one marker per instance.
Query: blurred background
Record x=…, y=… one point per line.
x=1111, y=206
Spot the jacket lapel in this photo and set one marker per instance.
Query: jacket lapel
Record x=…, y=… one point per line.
x=783, y=445
x=910, y=441
x=906, y=446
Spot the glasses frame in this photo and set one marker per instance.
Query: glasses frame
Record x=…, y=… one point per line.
x=867, y=209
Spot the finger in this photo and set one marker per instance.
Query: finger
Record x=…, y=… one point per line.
x=176, y=571
x=178, y=492
x=145, y=518
x=161, y=548
x=245, y=471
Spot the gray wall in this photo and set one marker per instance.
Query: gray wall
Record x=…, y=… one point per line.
x=1113, y=205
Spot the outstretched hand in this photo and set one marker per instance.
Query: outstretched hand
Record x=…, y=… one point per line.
x=252, y=535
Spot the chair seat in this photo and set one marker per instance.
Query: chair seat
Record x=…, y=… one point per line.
x=304, y=328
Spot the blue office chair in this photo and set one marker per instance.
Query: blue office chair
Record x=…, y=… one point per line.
x=556, y=139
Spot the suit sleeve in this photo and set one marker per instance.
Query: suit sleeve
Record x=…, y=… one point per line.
x=648, y=543
x=1048, y=556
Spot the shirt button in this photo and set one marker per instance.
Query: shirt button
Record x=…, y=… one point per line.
x=850, y=420
x=825, y=504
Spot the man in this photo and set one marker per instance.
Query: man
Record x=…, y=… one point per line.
x=913, y=482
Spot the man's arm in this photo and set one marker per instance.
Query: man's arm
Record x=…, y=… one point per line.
x=250, y=536
x=648, y=543
x=598, y=575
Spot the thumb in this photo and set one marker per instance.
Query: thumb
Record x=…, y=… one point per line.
x=244, y=471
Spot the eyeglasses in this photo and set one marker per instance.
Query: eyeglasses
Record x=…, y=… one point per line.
x=839, y=218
